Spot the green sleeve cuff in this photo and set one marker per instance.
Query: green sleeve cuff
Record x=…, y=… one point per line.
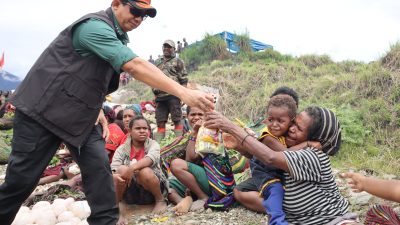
x=124, y=55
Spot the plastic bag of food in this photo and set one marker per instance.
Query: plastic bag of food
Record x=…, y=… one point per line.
x=81, y=209
x=23, y=217
x=209, y=141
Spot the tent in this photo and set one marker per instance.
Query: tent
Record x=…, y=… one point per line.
x=232, y=47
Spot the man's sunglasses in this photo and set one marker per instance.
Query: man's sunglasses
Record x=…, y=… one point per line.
x=137, y=12
x=167, y=46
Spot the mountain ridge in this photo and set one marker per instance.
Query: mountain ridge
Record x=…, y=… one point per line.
x=8, y=81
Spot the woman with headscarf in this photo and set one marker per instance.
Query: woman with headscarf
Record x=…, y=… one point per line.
x=311, y=194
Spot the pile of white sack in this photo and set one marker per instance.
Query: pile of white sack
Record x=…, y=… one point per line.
x=61, y=212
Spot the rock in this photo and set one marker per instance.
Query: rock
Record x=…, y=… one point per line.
x=389, y=176
x=192, y=222
x=142, y=218
x=362, y=198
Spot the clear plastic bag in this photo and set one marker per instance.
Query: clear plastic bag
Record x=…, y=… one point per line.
x=209, y=141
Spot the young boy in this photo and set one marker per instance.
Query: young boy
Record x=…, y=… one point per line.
x=281, y=111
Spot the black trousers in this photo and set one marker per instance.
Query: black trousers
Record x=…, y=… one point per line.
x=33, y=146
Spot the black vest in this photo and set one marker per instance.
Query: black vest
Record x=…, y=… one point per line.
x=64, y=91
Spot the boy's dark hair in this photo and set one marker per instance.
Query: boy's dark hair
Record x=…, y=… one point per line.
x=286, y=91
x=284, y=100
x=135, y=118
x=315, y=115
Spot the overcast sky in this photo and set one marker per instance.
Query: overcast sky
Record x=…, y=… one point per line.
x=361, y=30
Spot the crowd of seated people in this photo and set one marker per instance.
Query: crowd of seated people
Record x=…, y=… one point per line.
x=291, y=176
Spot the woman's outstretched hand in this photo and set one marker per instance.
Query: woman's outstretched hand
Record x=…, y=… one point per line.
x=230, y=142
x=215, y=120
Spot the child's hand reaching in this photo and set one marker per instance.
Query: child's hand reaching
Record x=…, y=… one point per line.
x=386, y=189
x=356, y=181
x=197, y=126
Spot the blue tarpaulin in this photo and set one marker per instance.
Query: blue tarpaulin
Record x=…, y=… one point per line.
x=232, y=47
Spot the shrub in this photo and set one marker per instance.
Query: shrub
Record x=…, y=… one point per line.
x=269, y=55
x=391, y=60
x=210, y=48
x=314, y=61
x=376, y=113
x=350, y=66
x=351, y=122
x=243, y=42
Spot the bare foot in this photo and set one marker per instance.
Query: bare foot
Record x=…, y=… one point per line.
x=122, y=214
x=183, y=206
x=198, y=205
x=159, y=207
x=122, y=220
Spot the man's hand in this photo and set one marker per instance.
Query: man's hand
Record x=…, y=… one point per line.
x=199, y=99
x=103, y=121
x=356, y=181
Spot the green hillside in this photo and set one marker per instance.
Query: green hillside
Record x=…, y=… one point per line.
x=366, y=97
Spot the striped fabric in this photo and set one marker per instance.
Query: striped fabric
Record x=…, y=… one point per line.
x=381, y=215
x=311, y=194
x=239, y=164
x=330, y=132
x=221, y=180
x=176, y=149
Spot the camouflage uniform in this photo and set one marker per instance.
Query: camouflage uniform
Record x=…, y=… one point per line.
x=175, y=69
x=166, y=103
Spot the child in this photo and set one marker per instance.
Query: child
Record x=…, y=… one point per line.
x=281, y=111
x=137, y=174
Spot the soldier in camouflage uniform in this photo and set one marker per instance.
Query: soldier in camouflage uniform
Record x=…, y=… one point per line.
x=167, y=104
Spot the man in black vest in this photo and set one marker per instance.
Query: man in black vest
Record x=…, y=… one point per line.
x=60, y=101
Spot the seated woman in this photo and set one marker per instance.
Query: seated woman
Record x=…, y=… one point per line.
x=136, y=166
x=311, y=194
x=116, y=132
x=192, y=174
x=178, y=189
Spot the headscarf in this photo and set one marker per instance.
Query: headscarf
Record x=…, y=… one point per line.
x=136, y=108
x=329, y=133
